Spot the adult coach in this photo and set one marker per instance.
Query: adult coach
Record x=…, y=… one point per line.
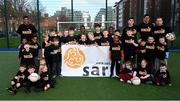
x=26, y=30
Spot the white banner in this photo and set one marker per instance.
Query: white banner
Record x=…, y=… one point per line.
x=86, y=61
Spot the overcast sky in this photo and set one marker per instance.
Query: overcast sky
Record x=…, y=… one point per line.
x=92, y=6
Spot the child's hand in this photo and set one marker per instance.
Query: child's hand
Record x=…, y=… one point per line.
x=142, y=77
x=140, y=72
x=143, y=51
x=36, y=46
x=55, y=51
x=145, y=73
x=130, y=73
x=131, y=41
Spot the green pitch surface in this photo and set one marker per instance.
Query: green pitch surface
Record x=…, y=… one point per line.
x=70, y=88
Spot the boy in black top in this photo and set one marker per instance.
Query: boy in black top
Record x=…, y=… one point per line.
x=117, y=32
x=160, y=30
x=131, y=26
x=26, y=30
x=161, y=50
x=35, y=46
x=116, y=54
x=111, y=31
x=60, y=36
x=24, y=41
x=64, y=37
x=106, y=39
x=144, y=72
x=46, y=51
x=141, y=51
x=98, y=34
x=21, y=46
x=146, y=28
x=162, y=76
x=29, y=83
x=83, y=40
x=71, y=39
x=82, y=31
x=19, y=80
x=129, y=46
x=26, y=56
x=44, y=81
x=56, y=58
x=91, y=39
x=150, y=52
x=52, y=35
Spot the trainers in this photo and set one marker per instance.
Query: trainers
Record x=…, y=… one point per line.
x=121, y=80
x=9, y=90
x=115, y=76
x=129, y=81
x=60, y=75
x=14, y=91
x=170, y=84
x=54, y=76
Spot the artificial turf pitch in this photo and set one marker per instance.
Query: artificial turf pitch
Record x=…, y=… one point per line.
x=81, y=88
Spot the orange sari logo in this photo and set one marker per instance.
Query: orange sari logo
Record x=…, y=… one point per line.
x=74, y=57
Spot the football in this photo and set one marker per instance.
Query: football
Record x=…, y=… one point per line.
x=136, y=81
x=170, y=36
x=34, y=77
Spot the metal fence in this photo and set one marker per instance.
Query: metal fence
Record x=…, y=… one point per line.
x=46, y=15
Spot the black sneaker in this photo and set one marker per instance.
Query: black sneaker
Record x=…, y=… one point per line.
x=14, y=91
x=10, y=90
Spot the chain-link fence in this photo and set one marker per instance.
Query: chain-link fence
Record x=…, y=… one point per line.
x=83, y=12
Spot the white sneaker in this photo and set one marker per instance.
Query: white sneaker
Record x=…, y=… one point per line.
x=129, y=81
x=121, y=80
x=115, y=76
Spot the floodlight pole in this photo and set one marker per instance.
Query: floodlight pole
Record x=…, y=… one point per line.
x=6, y=23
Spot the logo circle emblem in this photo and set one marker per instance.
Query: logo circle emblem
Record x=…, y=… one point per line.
x=74, y=57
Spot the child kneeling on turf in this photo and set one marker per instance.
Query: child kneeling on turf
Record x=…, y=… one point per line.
x=126, y=73
x=44, y=81
x=18, y=80
x=144, y=72
x=162, y=76
x=29, y=83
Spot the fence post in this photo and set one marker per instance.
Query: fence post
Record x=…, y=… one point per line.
x=38, y=21
x=173, y=17
x=72, y=11
x=106, y=18
x=6, y=23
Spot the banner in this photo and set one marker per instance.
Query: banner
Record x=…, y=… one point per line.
x=85, y=61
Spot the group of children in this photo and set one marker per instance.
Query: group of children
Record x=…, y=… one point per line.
x=22, y=78
x=144, y=56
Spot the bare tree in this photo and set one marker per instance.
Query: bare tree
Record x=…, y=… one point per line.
x=18, y=8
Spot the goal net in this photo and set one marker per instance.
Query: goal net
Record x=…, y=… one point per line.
x=61, y=26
